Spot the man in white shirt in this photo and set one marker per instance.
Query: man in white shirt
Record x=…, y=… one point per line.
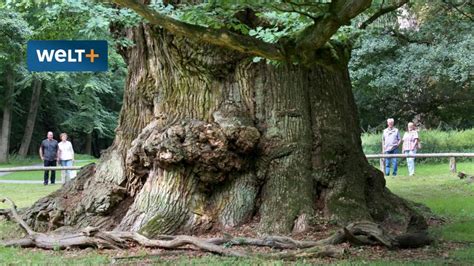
x=390, y=142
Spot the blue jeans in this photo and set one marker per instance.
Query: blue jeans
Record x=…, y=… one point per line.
x=67, y=178
x=411, y=163
x=393, y=162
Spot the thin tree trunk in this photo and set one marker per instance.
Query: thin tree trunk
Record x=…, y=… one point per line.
x=88, y=148
x=30, y=121
x=7, y=116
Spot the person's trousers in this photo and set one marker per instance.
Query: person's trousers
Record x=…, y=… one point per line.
x=46, y=173
x=67, y=176
x=392, y=162
x=411, y=162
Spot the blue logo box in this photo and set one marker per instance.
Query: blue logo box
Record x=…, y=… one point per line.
x=44, y=56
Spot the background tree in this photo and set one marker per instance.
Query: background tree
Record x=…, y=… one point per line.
x=36, y=85
x=84, y=105
x=14, y=32
x=417, y=64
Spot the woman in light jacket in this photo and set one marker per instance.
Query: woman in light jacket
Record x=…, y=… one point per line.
x=65, y=154
x=410, y=144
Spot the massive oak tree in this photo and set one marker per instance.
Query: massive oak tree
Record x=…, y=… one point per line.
x=209, y=139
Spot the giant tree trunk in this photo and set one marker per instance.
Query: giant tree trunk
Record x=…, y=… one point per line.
x=7, y=116
x=31, y=119
x=209, y=140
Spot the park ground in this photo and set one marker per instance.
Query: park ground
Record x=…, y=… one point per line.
x=450, y=199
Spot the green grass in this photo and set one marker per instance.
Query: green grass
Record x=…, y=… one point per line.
x=19, y=161
x=15, y=256
x=433, y=185
x=447, y=196
x=38, y=175
x=15, y=160
x=25, y=194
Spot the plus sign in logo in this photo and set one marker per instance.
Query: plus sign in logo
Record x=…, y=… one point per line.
x=67, y=56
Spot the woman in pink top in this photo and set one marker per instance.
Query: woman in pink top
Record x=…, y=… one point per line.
x=410, y=144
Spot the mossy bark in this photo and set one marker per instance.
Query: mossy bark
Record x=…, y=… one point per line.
x=207, y=139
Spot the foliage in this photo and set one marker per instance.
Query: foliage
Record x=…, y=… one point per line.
x=421, y=72
x=269, y=21
x=14, y=31
x=77, y=103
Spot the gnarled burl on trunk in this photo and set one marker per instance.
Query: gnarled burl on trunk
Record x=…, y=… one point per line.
x=208, y=139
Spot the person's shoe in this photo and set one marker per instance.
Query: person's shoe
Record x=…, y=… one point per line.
x=45, y=184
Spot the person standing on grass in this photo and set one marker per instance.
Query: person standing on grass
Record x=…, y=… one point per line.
x=65, y=155
x=390, y=142
x=410, y=144
x=48, y=152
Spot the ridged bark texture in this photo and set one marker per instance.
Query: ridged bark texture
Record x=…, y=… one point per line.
x=207, y=139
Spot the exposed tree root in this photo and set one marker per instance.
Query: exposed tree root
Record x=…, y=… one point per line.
x=360, y=233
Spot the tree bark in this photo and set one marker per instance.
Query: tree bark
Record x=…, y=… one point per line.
x=7, y=116
x=207, y=139
x=88, y=148
x=30, y=121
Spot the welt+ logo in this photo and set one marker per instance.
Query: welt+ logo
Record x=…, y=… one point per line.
x=67, y=56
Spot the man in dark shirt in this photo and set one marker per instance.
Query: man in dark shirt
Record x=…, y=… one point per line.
x=49, y=154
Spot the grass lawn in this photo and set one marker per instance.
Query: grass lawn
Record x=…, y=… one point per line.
x=447, y=196
x=15, y=160
x=433, y=185
x=38, y=175
x=25, y=194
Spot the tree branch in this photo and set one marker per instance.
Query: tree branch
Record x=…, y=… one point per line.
x=17, y=217
x=220, y=37
x=382, y=11
x=340, y=13
x=458, y=9
x=294, y=10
